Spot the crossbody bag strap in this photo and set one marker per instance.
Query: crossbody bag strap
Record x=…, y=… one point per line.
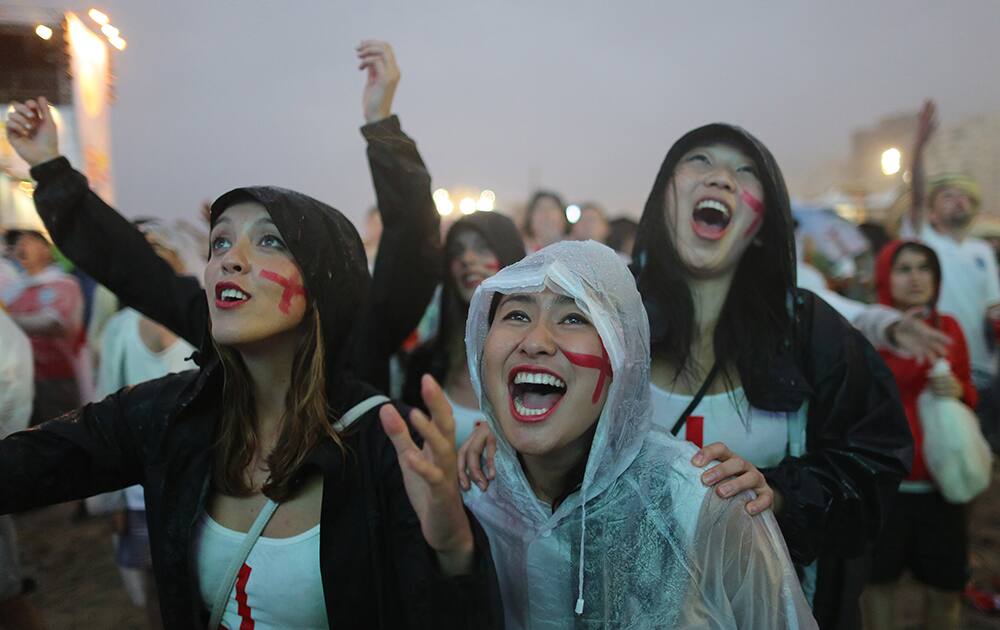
x=697, y=399
x=226, y=585
x=359, y=410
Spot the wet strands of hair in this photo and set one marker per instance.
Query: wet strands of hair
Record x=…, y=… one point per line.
x=291, y=288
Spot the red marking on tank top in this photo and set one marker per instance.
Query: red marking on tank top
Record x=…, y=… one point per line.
x=291, y=288
x=247, y=622
x=601, y=363
x=694, y=430
x=758, y=208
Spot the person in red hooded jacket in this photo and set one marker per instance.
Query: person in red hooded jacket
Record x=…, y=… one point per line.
x=923, y=532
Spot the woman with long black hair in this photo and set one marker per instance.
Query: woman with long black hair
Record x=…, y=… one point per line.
x=368, y=529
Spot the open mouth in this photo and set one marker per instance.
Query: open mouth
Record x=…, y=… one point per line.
x=710, y=218
x=472, y=280
x=534, y=393
x=230, y=295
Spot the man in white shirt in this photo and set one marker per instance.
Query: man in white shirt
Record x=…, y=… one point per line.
x=970, y=283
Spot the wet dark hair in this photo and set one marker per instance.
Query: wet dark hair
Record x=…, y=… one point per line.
x=533, y=205
x=755, y=323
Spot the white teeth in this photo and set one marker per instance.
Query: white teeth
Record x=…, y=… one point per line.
x=236, y=294
x=715, y=205
x=538, y=378
x=527, y=411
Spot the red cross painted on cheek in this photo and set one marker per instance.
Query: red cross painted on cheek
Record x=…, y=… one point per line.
x=758, y=208
x=493, y=266
x=602, y=363
x=291, y=288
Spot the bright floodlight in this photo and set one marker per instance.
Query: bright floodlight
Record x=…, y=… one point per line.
x=467, y=205
x=573, y=213
x=98, y=17
x=118, y=42
x=486, y=200
x=110, y=31
x=43, y=31
x=891, y=159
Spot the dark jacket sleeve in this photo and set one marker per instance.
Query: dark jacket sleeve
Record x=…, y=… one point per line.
x=97, y=448
x=408, y=265
x=432, y=599
x=858, y=442
x=112, y=251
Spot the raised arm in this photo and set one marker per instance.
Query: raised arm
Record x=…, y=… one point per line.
x=408, y=265
x=926, y=125
x=98, y=239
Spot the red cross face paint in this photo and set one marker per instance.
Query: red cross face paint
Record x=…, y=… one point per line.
x=757, y=206
x=290, y=289
x=545, y=373
x=713, y=208
x=253, y=284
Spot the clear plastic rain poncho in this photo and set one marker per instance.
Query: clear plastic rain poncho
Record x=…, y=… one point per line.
x=642, y=543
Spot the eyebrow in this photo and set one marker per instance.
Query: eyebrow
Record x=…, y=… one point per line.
x=529, y=298
x=259, y=221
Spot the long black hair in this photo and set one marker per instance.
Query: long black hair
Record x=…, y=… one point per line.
x=755, y=324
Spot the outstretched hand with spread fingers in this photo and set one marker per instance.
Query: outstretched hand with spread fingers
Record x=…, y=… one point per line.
x=32, y=132
x=429, y=474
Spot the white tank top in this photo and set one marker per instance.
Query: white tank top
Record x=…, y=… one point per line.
x=278, y=587
x=465, y=420
x=758, y=436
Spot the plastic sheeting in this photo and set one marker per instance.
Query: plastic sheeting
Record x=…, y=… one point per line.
x=656, y=548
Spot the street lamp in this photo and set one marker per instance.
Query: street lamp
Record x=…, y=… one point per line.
x=43, y=31
x=573, y=213
x=891, y=159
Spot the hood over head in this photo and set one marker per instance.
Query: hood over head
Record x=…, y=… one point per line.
x=601, y=285
x=327, y=248
x=883, y=268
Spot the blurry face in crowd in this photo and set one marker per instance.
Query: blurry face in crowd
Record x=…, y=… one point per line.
x=548, y=222
x=471, y=260
x=33, y=252
x=952, y=208
x=542, y=375
x=714, y=208
x=254, y=286
x=591, y=226
x=911, y=280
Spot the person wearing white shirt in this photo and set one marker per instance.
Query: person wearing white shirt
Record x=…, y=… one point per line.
x=941, y=216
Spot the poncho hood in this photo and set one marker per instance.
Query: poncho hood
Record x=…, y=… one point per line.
x=327, y=248
x=601, y=285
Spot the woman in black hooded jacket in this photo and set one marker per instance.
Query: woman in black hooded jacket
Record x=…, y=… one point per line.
x=274, y=413
x=476, y=247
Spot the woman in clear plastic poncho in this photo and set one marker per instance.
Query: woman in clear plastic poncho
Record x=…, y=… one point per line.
x=594, y=517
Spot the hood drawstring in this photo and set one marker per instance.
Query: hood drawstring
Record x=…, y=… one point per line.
x=583, y=533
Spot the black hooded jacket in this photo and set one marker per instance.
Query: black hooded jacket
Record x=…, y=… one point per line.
x=858, y=445
x=376, y=568
x=432, y=357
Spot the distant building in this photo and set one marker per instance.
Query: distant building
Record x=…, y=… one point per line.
x=971, y=147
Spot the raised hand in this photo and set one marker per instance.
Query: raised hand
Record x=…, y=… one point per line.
x=383, y=76
x=738, y=475
x=429, y=476
x=32, y=132
x=926, y=123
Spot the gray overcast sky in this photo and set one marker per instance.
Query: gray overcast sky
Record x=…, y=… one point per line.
x=581, y=97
